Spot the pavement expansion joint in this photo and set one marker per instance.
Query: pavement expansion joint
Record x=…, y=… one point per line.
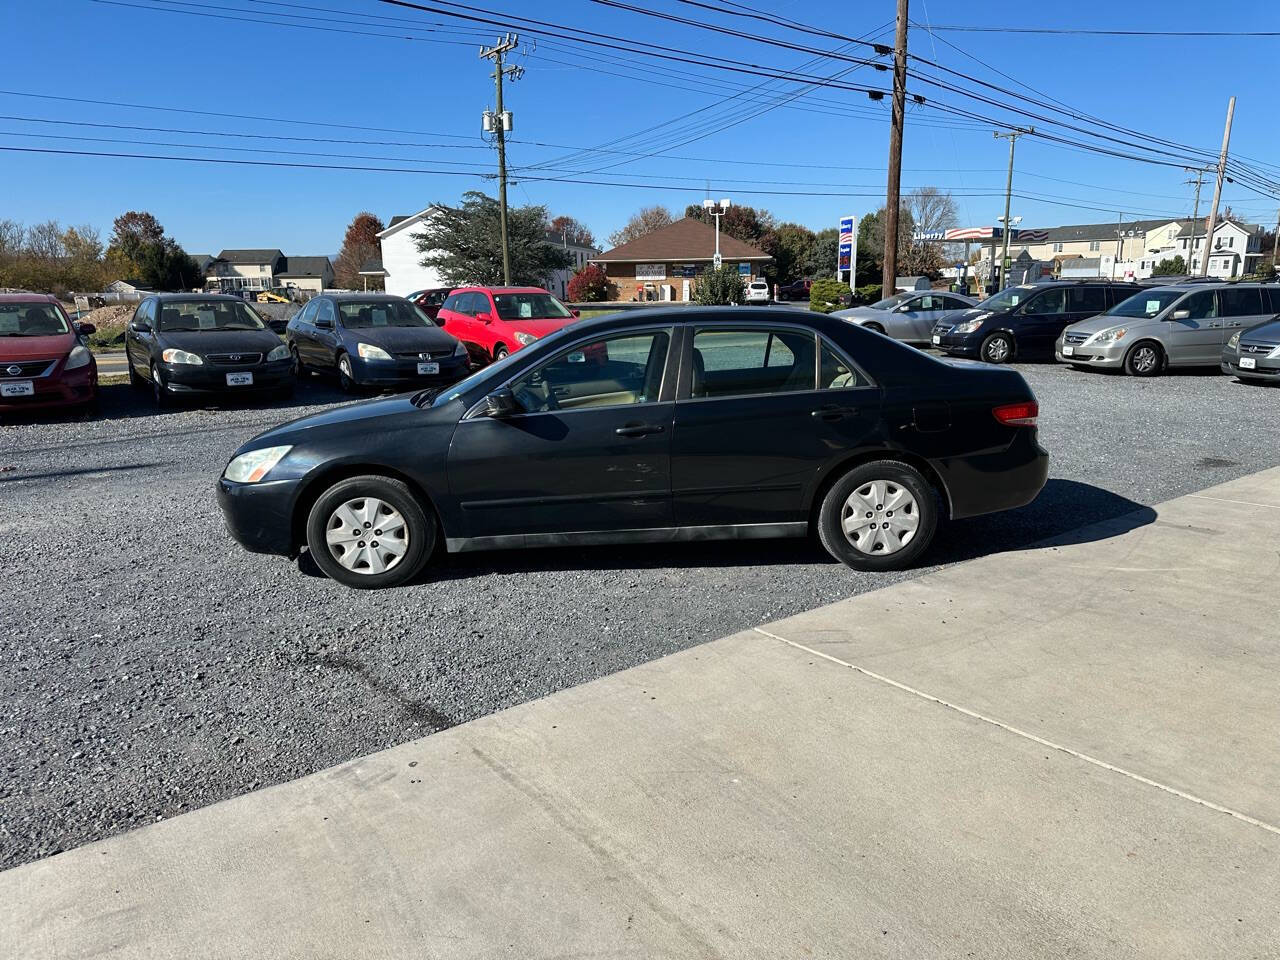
x=880, y=678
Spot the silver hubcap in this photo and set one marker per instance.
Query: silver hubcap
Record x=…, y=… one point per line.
x=1144, y=361
x=345, y=366
x=880, y=518
x=998, y=349
x=367, y=535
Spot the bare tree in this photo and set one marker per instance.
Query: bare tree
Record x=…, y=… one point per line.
x=932, y=210
x=645, y=221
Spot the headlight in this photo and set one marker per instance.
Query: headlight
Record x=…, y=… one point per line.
x=253, y=466
x=368, y=351
x=525, y=338
x=1234, y=341
x=460, y=350
x=279, y=353
x=77, y=358
x=179, y=356
x=969, y=326
x=1274, y=354
x=1108, y=336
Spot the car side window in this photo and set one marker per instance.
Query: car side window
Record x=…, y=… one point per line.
x=451, y=302
x=467, y=305
x=611, y=372
x=480, y=304
x=835, y=373
x=928, y=302
x=308, y=312
x=729, y=363
x=1201, y=304
x=1047, y=303
x=324, y=312
x=1092, y=300
x=1240, y=302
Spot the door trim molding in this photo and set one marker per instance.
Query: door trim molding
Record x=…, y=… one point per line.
x=728, y=531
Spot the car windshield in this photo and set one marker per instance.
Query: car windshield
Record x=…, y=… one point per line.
x=31, y=320
x=529, y=306
x=1006, y=299
x=202, y=316
x=372, y=314
x=1148, y=303
x=888, y=303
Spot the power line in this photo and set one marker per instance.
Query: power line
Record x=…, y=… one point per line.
x=1096, y=32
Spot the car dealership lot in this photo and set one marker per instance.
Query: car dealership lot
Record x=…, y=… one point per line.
x=149, y=666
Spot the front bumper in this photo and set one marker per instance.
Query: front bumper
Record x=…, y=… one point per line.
x=1264, y=368
x=259, y=516
x=959, y=344
x=212, y=377
x=404, y=372
x=1104, y=355
x=70, y=388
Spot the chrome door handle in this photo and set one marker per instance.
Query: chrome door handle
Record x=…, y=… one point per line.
x=639, y=429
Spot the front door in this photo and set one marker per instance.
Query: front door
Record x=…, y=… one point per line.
x=757, y=419
x=1040, y=321
x=1196, y=339
x=588, y=450
x=137, y=345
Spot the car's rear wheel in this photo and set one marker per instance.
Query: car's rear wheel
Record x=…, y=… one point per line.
x=1144, y=359
x=346, y=379
x=997, y=348
x=370, y=531
x=879, y=516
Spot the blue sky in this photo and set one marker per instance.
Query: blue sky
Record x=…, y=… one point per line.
x=431, y=95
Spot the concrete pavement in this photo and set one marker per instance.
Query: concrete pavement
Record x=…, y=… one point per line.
x=1063, y=751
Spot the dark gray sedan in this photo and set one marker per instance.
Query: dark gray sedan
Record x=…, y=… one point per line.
x=1254, y=354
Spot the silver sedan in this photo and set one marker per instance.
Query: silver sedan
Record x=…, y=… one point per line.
x=909, y=317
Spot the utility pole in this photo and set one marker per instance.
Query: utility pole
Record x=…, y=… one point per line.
x=1119, y=244
x=1275, y=247
x=499, y=123
x=1012, y=136
x=893, y=195
x=1217, y=189
x=1195, y=215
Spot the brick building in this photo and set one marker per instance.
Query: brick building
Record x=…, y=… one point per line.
x=665, y=264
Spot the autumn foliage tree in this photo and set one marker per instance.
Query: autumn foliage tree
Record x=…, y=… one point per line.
x=589, y=285
x=359, y=246
x=574, y=232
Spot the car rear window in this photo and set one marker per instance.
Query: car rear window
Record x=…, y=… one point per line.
x=31, y=320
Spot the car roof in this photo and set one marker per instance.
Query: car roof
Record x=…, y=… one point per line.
x=27, y=298
x=478, y=288
x=193, y=297
x=363, y=297
x=689, y=314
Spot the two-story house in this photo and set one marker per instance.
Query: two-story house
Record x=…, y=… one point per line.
x=235, y=271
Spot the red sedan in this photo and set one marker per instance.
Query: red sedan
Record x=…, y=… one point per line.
x=44, y=361
x=496, y=321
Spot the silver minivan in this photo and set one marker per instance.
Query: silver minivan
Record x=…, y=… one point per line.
x=1179, y=325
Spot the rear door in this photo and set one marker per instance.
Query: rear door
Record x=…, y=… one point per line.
x=922, y=313
x=754, y=425
x=589, y=451
x=1197, y=338
x=1240, y=308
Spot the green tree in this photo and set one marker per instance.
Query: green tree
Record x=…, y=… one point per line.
x=821, y=259
x=465, y=243
x=140, y=252
x=790, y=245
x=1170, y=268
x=826, y=293
x=719, y=286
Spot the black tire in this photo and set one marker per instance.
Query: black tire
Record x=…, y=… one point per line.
x=135, y=381
x=499, y=352
x=1144, y=359
x=420, y=523
x=894, y=474
x=874, y=326
x=159, y=392
x=346, y=381
x=299, y=371
x=997, y=348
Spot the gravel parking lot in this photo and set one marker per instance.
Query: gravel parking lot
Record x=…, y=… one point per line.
x=149, y=666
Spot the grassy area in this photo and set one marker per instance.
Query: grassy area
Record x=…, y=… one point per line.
x=602, y=312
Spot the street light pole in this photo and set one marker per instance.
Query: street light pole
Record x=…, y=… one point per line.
x=717, y=211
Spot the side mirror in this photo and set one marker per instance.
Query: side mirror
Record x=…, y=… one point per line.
x=323, y=323
x=501, y=403
x=575, y=313
x=485, y=317
x=1180, y=315
x=140, y=326
x=85, y=328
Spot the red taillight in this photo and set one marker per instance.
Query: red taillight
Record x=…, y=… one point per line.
x=1018, y=414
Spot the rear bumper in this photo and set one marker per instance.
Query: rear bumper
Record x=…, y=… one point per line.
x=991, y=482
x=71, y=388
x=259, y=516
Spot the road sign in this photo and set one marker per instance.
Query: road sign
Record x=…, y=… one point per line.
x=716, y=261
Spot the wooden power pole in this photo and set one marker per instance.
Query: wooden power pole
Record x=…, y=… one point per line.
x=1217, y=189
x=893, y=199
x=499, y=123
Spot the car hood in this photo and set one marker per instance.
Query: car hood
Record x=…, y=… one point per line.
x=540, y=327
x=403, y=339
x=221, y=341
x=859, y=314
x=36, y=348
x=1104, y=322
x=1268, y=332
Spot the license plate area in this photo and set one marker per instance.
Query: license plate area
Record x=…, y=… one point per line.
x=937, y=339
x=18, y=388
x=429, y=368
x=240, y=379
x=1068, y=351
x=1248, y=363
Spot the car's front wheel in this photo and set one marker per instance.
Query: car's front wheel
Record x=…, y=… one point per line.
x=1145, y=359
x=879, y=516
x=370, y=531
x=499, y=352
x=346, y=378
x=159, y=392
x=997, y=348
